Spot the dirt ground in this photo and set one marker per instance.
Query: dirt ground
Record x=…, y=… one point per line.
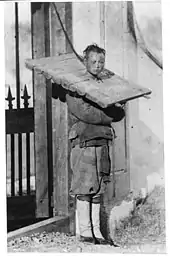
x=63, y=243
x=142, y=232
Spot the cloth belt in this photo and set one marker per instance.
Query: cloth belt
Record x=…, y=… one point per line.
x=88, y=143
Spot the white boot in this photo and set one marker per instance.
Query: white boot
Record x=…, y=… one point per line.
x=83, y=219
x=96, y=220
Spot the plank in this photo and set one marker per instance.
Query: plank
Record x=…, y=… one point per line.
x=51, y=61
x=61, y=202
x=115, y=42
x=49, y=144
x=132, y=107
x=40, y=117
x=55, y=224
x=57, y=37
x=119, y=146
x=68, y=25
x=41, y=154
x=70, y=73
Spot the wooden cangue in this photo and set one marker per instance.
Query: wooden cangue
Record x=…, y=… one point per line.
x=71, y=74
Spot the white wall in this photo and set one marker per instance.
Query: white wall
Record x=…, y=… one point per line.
x=146, y=140
x=86, y=24
x=86, y=30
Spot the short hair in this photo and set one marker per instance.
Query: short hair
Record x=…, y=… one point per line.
x=93, y=48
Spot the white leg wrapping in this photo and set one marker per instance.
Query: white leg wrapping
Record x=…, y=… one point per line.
x=83, y=226
x=77, y=225
x=96, y=220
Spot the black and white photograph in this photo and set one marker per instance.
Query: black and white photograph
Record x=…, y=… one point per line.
x=84, y=127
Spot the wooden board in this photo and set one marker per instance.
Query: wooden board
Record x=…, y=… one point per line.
x=61, y=179
x=68, y=71
x=39, y=49
x=62, y=202
x=55, y=224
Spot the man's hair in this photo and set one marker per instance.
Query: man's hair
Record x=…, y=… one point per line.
x=92, y=48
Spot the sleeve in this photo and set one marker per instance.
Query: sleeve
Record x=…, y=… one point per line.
x=89, y=113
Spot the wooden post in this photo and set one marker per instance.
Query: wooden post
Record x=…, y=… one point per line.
x=61, y=202
x=41, y=96
x=126, y=129
x=113, y=37
x=63, y=205
x=130, y=72
x=102, y=24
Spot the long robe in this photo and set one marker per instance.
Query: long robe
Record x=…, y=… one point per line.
x=90, y=137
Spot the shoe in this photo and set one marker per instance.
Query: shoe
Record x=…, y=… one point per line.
x=96, y=226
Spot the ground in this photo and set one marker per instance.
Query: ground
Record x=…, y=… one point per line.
x=142, y=232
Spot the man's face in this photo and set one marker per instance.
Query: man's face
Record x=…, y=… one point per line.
x=95, y=63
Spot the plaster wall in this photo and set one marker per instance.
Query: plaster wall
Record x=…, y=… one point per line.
x=125, y=59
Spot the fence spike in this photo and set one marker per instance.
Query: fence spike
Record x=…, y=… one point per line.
x=25, y=97
x=10, y=98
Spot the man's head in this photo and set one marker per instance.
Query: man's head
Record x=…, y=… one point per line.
x=94, y=59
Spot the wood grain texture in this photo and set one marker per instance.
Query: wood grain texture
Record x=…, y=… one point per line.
x=71, y=74
x=68, y=25
x=116, y=30
x=40, y=118
x=119, y=146
x=55, y=224
x=61, y=202
x=57, y=38
x=130, y=60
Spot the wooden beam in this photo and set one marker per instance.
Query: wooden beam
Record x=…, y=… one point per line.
x=102, y=24
x=40, y=116
x=63, y=203
x=68, y=24
x=71, y=73
x=55, y=224
x=130, y=72
x=57, y=38
x=49, y=109
x=114, y=47
x=49, y=144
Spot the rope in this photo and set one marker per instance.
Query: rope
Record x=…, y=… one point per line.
x=132, y=22
x=65, y=33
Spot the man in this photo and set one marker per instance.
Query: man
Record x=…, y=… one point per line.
x=90, y=161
